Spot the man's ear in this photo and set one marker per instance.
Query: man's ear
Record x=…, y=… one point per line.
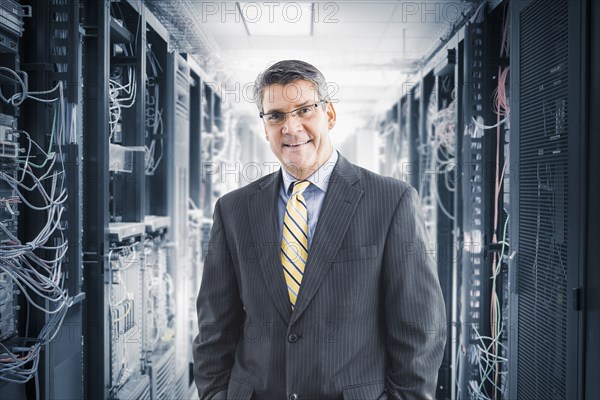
x=331, y=115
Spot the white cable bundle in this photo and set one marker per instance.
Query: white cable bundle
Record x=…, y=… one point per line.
x=21, y=262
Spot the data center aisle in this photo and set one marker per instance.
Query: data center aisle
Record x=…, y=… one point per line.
x=123, y=121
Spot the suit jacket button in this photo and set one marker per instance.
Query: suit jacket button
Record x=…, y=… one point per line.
x=294, y=396
x=292, y=338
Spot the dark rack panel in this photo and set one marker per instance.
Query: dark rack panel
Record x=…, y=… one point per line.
x=130, y=186
x=411, y=170
x=445, y=228
x=473, y=291
x=65, y=40
x=476, y=193
x=549, y=197
x=96, y=196
x=157, y=42
x=592, y=277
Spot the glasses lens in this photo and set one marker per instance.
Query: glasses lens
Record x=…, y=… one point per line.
x=305, y=112
x=275, y=118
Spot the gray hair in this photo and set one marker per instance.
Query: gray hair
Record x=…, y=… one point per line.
x=288, y=71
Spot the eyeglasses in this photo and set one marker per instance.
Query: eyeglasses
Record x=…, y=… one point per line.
x=278, y=118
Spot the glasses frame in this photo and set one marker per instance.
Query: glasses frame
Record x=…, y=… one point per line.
x=315, y=105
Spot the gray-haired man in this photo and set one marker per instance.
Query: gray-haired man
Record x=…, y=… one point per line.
x=317, y=284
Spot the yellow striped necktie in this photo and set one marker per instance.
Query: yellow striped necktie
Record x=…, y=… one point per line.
x=294, y=241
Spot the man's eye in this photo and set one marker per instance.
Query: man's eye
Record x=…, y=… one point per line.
x=305, y=110
x=275, y=117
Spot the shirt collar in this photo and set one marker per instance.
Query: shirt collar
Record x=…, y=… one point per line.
x=319, y=178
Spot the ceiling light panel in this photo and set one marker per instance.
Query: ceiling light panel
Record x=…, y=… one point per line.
x=360, y=11
x=277, y=18
x=350, y=29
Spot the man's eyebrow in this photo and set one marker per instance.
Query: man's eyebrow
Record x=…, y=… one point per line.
x=277, y=110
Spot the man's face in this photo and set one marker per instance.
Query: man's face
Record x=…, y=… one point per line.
x=301, y=144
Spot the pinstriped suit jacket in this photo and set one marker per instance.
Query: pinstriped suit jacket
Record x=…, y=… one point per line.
x=369, y=321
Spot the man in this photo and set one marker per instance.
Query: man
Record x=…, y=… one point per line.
x=316, y=284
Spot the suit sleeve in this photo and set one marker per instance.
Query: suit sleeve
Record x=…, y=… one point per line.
x=220, y=316
x=414, y=307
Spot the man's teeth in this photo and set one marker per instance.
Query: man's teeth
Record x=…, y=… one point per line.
x=297, y=144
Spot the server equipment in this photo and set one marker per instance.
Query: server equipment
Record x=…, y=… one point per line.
x=552, y=49
x=449, y=149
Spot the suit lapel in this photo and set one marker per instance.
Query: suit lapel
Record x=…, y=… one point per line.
x=262, y=211
x=336, y=213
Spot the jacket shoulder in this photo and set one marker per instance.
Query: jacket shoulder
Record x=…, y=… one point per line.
x=242, y=193
x=382, y=185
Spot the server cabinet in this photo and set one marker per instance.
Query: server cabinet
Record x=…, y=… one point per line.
x=546, y=359
x=11, y=30
x=482, y=349
x=114, y=167
x=41, y=270
x=592, y=273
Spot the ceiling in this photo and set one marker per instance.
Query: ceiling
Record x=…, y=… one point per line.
x=366, y=49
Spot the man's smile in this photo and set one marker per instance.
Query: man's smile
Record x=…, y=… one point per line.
x=297, y=144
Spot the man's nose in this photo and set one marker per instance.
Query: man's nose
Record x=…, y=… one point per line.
x=292, y=123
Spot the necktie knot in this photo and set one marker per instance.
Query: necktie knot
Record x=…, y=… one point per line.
x=298, y=187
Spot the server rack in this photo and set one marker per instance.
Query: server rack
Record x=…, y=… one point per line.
x=11, y=28
x=161, y=303
x=47, y=62
x=51, y=53
x=452, y=161
x=136, y=170
x=115, y=169
x=592, y=274
x=550, y=119
x=483, y=301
